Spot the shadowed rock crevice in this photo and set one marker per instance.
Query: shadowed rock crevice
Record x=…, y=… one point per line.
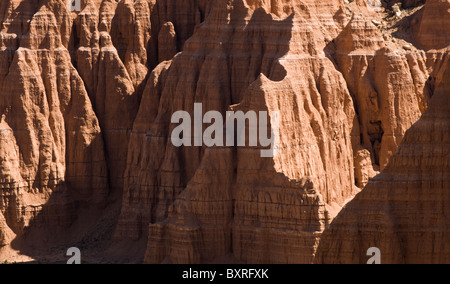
x=404, y=210
x=242, y=214
x=86, y=100
x=279, y=69
x=219, y=77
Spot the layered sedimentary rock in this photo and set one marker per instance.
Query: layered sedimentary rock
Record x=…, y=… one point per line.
x=261, y=63
x=51, y=144
x=384, y=83
x=167, y=42
x=433, y=32
x=117, y=43
x=86, y=100
x=184, y=15
x=6, y=234
x=109, y=83
x=69, y=82
x=404, y=210
x=230, y=237
x=390, y=92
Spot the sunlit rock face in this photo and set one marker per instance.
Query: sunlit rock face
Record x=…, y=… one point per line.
x=86, y=157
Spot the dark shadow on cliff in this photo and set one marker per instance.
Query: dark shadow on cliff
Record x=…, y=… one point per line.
x=72, y=217
x=227, y=232
x=408, y=27
x=237, y=43
x=64, y=223
x=403, y=211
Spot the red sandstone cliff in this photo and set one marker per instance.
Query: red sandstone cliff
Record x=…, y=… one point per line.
x=403, y=210
x=86, y=100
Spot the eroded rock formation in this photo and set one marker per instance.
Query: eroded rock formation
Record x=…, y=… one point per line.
x=432, y=31
x=86, y=100
x=404, y=210
x=52, y=148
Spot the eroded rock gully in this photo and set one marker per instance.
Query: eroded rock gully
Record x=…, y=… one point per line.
x=404, y=210
x=86, y=100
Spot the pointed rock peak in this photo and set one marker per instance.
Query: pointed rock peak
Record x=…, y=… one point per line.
x=6, y=234
x=44, y=32
x=89, y=8
x=360, y=34
x=93, y=4
x=3, y=124
x=105, y=39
